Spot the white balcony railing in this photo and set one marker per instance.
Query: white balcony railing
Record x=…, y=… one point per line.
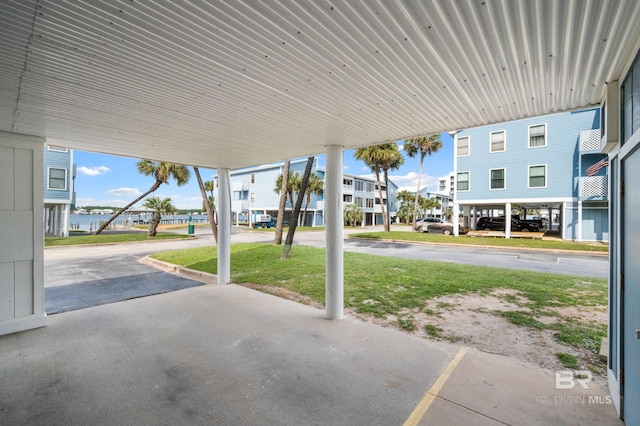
x=590, y=140
x=240, y=186
x=347, y=189
x=239, y=205
x=593, y=187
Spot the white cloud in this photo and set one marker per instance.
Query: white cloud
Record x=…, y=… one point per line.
x=124, y=192
x=92, y=171
x=409, y=181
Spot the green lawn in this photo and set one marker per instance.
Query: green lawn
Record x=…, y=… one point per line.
x=383, y=286
x=76, y=238
x=483, y=241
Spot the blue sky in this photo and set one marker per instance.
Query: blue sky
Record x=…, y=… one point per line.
x=107, y=180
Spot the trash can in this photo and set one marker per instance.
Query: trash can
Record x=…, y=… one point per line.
x=190, y=229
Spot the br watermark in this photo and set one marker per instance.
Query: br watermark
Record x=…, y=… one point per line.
x=569, y=379
x=573, y=380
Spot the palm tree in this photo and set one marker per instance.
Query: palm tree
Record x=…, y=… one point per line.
x=296, y=210
x=282, y=205
x=208, y=202
x=293, y=185
x=162, y=172
x=427, y=204
x=405, y=196
x=425, y=145
x=159, y=206
x=315, y=186
x=381, y=158
x=353, y=214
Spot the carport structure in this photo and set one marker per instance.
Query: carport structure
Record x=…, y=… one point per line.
x=227, y=85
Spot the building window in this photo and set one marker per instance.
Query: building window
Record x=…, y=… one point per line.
x=347, y=182
x=537, y=176
x=463, y=181
x=369, y=186
x=359, y=186
x=253, y=178
x=537, y=136
x=497, y=178
x=359, y=201
x=57, y=179
x=253, y=198
x=347, y=198
x=463, y=146
x=498, y=141
x=629, y=91
x=57, y=149
x=369, y=203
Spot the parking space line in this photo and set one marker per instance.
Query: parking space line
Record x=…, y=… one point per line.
x=432, y=393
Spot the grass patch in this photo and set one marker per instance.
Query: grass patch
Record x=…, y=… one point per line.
x=384, y=286
x=522, y=318
x=580, y=335
x=407, y=324
x=432, y=330
x=568, y=360
x=478, y=241
x=84, y=238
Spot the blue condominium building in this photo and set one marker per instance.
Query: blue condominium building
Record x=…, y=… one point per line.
x=59, y=195
x=253, y=191
x=548, y=168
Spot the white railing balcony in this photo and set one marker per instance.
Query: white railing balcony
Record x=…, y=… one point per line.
x=593, y=187
x=240, y=186
x=347, y=189
x=239, y=205
x=320, y=205
x=590, y=140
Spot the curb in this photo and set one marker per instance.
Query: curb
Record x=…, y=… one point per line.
x=577, y=252
x=203, y=277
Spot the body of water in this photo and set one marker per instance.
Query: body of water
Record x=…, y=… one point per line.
x=91, y=222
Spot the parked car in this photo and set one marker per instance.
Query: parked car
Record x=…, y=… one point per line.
x=497, y=224
x=445, y=228
x=423, y=224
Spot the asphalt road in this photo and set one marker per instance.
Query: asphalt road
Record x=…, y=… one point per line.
x=83, y=276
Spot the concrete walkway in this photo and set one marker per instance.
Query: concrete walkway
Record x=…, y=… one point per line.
x=232, y=356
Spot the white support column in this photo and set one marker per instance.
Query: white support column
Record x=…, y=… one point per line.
x=65, y=220
x=456, y=219
x=579, y=224
x=466, y=215
x=507, y=220
x=224, y=227
x=475, y=218
x=334, y=287
x=563, y=215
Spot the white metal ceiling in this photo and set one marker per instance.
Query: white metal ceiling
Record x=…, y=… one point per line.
x=239, y=83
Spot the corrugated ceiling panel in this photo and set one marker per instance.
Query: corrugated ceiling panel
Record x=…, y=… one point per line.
x=242, y=83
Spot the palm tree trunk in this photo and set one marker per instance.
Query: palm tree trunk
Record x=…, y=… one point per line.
x=415, y=203
x=207, y=206
x=122, y=210
x=296, y=211
x=306, y=206
x=384, y=214
x=153, y=224
x=283, y=203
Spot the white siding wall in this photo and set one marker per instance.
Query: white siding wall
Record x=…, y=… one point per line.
x=21, y=254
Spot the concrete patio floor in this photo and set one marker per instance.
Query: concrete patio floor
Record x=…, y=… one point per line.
x=233, y=356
